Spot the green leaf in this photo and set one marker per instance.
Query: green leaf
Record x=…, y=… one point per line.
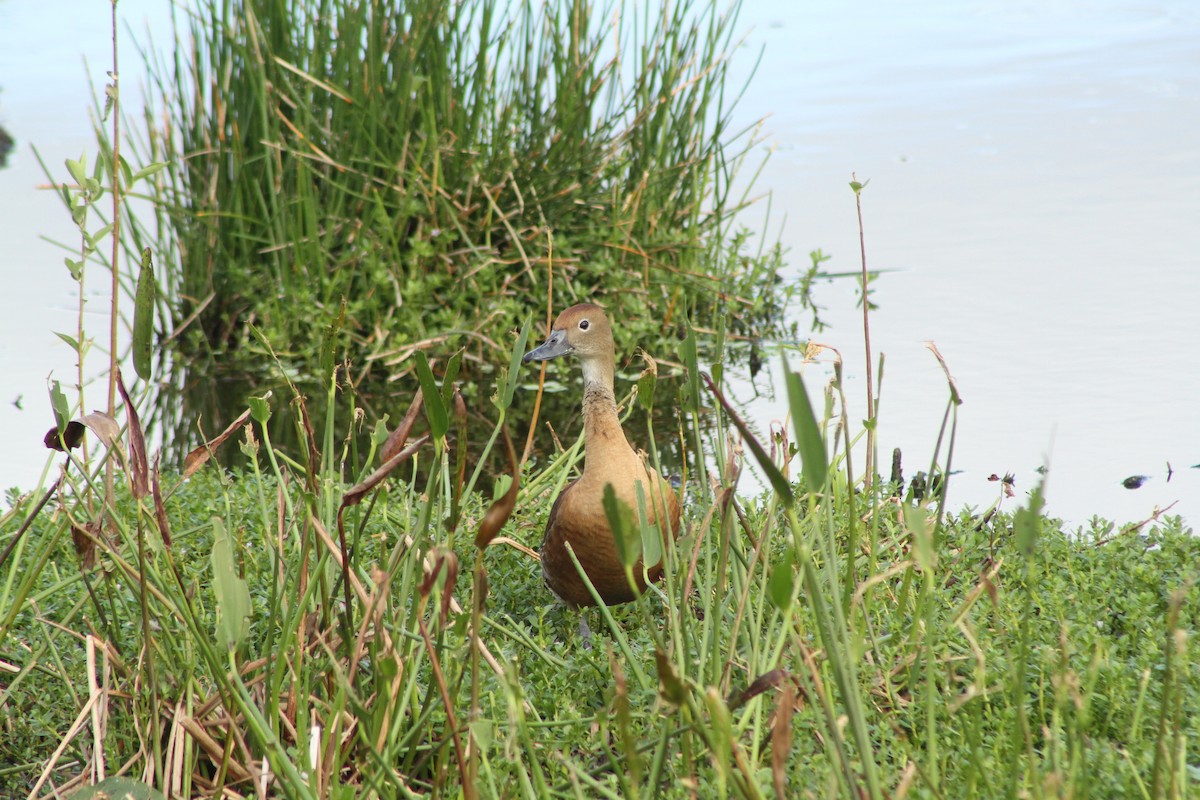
x=916, y=519
x=651, y=535
x=503, y=483
x=70, y=340
x=717, y=367
x=652, y=539
x=143, y=318
x=232, y=595
x=626, y=536
x=126, y=171
x=75, y=266
x=782, y=582
x=62, y=408
x=99, y=235
x=147, y=171
x=808, y=434
x=260, y=408
x=379, y=433
x=483, y=732
x=449, y=376
x=328, y=348
x=691, y=362
x=720, y=735
x=646, y=384
x=435, y=407
x=110, y=99
x=670, y=687
x=78, y=169
x=514, y=366
x=1027, y=522
x=117, y=789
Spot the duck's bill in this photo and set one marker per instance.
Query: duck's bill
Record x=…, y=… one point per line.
x=555, y=346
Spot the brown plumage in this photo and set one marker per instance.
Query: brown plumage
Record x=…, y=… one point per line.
x=578, y=514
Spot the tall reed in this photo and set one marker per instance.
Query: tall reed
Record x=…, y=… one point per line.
x=397, y=171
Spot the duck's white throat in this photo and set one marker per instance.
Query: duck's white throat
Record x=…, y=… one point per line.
x=595, y=376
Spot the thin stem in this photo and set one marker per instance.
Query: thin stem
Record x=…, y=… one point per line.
x=537, y=401
x=114, y=169
x=869, y=474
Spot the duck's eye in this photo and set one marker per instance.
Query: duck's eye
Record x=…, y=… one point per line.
x=583, y=324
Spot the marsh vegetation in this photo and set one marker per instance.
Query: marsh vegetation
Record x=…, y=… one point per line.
x=360, y=211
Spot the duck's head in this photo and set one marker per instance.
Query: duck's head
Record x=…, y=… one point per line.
x=581, y=330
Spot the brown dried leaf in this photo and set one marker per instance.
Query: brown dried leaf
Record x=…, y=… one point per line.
x=442, y=558
x=989, y=586
x=250, y=445
x=814, y=349
x=954, y=395
x=139, y=464
x=481, y=587
x=310, y=437
x=160, y=510
x=502, y=509
x=397, y=438
x=781, y=738
x=768, y=680
x=460, y=407
x=84, y=538
x=200, y=455
x=670, y=687
x=460, y=417
x=107, y=429
x=651, y=365
x=355, y=494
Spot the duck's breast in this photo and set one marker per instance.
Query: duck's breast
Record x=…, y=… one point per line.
x=578, y=518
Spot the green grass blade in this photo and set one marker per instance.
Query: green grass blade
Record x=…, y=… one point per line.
x=435, y=405
x=808, y=435
x=143, y=318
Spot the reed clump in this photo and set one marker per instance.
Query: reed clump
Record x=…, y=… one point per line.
x=361, y=180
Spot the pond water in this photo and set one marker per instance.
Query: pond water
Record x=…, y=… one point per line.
x=1034, y=201
x=1035, y=188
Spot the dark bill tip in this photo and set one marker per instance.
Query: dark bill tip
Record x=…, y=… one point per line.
x=555, y=346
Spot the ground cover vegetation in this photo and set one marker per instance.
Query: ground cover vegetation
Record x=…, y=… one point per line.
x=356, y=610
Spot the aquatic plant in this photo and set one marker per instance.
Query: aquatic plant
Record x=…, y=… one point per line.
x=358, y=181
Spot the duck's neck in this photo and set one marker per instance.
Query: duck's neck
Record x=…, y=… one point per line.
x=605, y=439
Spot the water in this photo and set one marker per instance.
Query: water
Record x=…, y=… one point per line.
x=45, y=98
x=1035, y=185
x=1034, y=193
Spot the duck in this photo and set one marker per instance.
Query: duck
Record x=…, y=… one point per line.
x=577, y=517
